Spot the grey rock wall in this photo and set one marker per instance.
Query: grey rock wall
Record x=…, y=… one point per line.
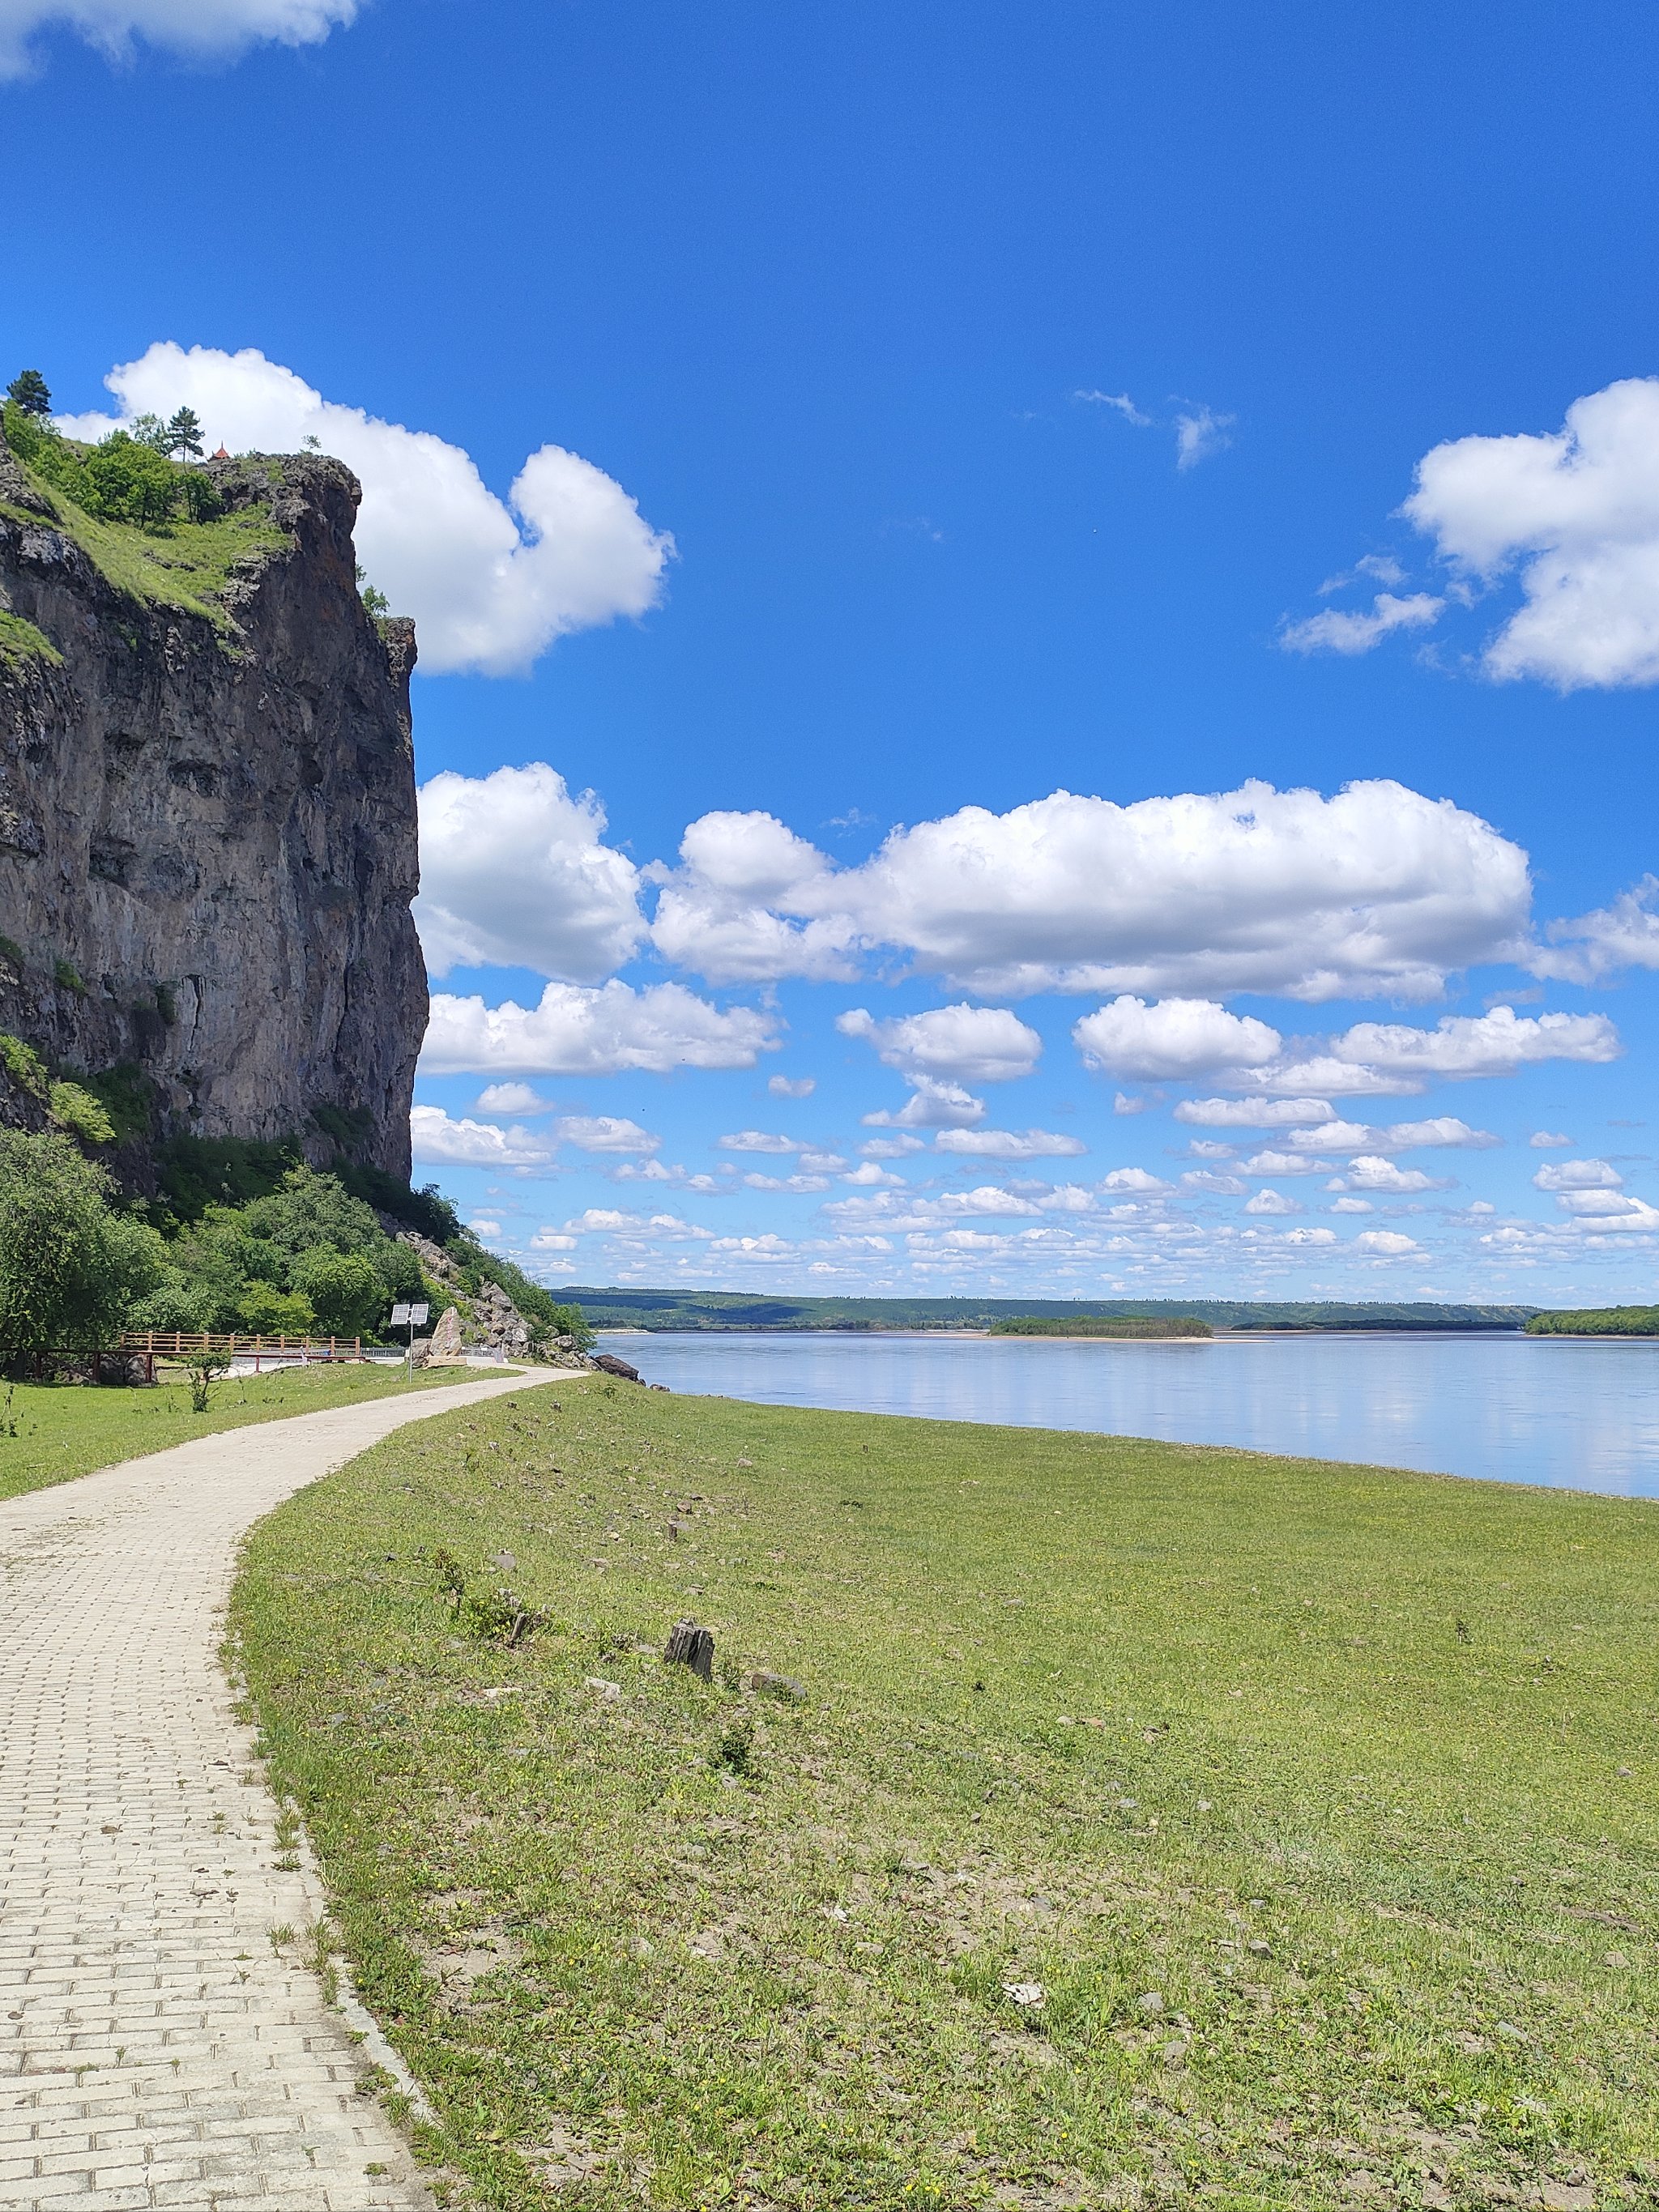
x=212, y=826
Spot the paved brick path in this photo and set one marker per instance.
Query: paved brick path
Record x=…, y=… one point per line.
x=155, y=2049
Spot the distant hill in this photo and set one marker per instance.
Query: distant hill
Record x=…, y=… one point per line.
x=729, y=1309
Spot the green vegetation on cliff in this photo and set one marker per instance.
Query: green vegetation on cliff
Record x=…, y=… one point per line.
x=155, y=527
x=1158, y=1827
x=1597, y=1321
x=19, y=641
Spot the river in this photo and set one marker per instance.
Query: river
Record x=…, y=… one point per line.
x=1573, y=1412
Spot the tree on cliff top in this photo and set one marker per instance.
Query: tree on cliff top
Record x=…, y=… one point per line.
x=70, y=1267
x=183, y=433
x=29, y=393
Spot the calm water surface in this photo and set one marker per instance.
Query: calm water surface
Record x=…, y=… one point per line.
x=1570, y=1413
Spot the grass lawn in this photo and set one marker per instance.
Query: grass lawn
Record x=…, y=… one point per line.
x=1161, y=1824
x=50, y=1432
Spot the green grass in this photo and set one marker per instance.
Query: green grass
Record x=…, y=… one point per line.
x=50, y=1432
x=1319, y=1802
x=19, y=641
x=186, y=566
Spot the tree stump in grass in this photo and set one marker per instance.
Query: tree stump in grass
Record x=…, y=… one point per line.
x=691, y=1646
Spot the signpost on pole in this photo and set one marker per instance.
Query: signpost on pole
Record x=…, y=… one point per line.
x=410, y=1317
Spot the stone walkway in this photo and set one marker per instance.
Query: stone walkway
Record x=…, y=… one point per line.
x=156, y=2046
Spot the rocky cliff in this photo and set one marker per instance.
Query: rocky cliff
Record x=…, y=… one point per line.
x=207, y=810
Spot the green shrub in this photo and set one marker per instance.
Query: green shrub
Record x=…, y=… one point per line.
x=81, y=1114
x=175, y=1305
x=197, y=1172
x=347, y=1125
x=127, y=1095
x=306, y=1209
x=571, y=1321
x=426, y=1209
x=67, y=978
x=399, y=1270
x=263, y=1310
x=25, y=1067
x=345, y=1290
x=69, y=1266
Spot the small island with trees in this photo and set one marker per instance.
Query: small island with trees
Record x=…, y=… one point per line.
x=1123, y=1327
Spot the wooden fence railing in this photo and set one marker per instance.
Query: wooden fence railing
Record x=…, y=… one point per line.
x=176, y=1344
x=135, y=1353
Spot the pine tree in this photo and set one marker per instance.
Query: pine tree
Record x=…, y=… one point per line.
x=29, y=393
x=185, y=434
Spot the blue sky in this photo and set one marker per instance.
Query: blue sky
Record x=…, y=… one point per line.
x=950, y=407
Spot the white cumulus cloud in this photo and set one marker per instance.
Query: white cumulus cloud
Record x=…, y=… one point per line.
x=1385, y=1244
x=1272, y=1201
x=578, y=1031
x=1139, y=1182
x=1578, y=1175
x=1251, y=1113
x=1625, y=934
x=791, y=1086
x=1442, y=1132
x=490, y=583
x=950, y=1044
x=1577, y=510
x=1173, y=1039
x=1549, y=1140
x=1371, y=1172
x=604, y=1132
x=514, y=873
x=200, y=30
x=724, y=912
x=1378, y=890
x=512, y=1099
x=438, y=1141
x=1207, y=1179
x=1009, y=1144
x=930, y=1105
x=1463, y=1046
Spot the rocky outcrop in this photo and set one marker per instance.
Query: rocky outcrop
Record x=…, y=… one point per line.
x=207, y=812
x=487, y=1320
x=446, y=1343
x=499, y=1326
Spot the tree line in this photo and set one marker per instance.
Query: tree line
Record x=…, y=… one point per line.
x=141, y=474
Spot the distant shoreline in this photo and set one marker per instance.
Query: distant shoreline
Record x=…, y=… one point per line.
x=1219, y=1334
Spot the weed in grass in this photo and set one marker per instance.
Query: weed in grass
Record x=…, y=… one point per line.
x=734, y=1749
x=1313, y=1887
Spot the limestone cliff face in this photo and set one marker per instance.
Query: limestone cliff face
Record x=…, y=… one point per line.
x=207, y=812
